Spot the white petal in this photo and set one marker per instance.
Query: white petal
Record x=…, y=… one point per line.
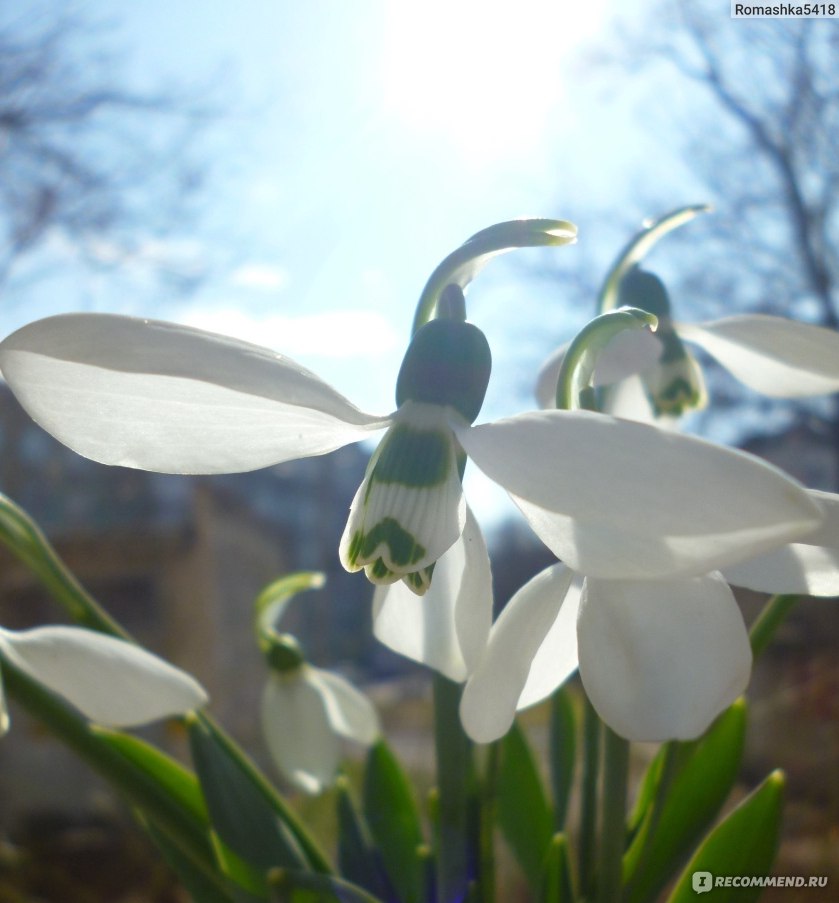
x=4, y=711
x=660, y=660
x=350, y=712
x=162, y=397
x=629, y=399
x=810, y=567
x=773, y=355
x=410, y=508
x=629, y=352
x=492, y=693
x=297, y=730
x=448, y=627
x=556, y=659
x=794, y=568
x=614, y=498
x=548, y=376
x=109, y=680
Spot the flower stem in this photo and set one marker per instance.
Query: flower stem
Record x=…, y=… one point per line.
x=613, y=816
x=457, y=842
x=588, y=813
x=769, y=620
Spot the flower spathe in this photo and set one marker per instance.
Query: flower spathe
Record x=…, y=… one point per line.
x=659, y=659
x=306, y=712
x=109, y=680
x=611, y=498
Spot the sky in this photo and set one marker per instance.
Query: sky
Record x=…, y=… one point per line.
x=357, y=145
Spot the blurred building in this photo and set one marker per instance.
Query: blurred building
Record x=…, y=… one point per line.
x=178, y=561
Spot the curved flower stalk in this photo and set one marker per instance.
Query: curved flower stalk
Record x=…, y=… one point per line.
x=659, y=659
x=306, y=711
x=111, y=681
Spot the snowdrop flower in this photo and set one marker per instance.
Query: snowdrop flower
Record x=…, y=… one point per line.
x=306, y=711
x=779, y=357
x=611, y=498
x=659, y=659
x=110, y=681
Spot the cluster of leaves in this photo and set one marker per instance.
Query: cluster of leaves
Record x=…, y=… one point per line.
x=232, y=838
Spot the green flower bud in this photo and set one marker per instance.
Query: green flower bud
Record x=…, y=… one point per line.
x=639, y=288
x=282, y=651
x=447, y=363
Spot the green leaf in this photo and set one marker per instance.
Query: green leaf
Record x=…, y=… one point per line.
x=456, y=811
x=676, y=816
x=391, y=812
x=639, y=246
x=198, y=884
x=523, y=811
x=23, y=537
x=290, y=886
x=179, y=784
x=463, y=264
x=556, y=885
x=241, y=811
x=358, y=859
x=563, y=751
x=742, y=846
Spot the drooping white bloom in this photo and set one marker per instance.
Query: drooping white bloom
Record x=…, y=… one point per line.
x=611, y=498
x=776, y=356
x=306, y=712
x=659, y=659
x=109, y=680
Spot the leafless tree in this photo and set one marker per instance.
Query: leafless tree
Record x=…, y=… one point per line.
x=752, y=107
x=96, y=169
x=762, y=134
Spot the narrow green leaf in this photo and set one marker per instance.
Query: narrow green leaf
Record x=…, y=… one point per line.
x=557, y=886
x=175, y=781
x=391, y=812
x=740, y=848
x=291, y=886
x=242, y=814
x=704, y=776
x=562, y=751
x=198, y=884
x=523, y=811
x=23, y=537
x=639, y=246
x=136, y=777
x=358, y=859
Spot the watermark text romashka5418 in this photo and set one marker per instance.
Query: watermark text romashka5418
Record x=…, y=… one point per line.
x=703, y=882
x=784, y=10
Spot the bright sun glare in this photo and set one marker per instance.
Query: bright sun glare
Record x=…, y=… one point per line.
x=486, y=76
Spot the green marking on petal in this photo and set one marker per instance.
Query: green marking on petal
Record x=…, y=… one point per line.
x=412, y=457
x=404, y=549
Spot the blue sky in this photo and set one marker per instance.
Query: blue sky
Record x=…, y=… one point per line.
x=359, y=143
